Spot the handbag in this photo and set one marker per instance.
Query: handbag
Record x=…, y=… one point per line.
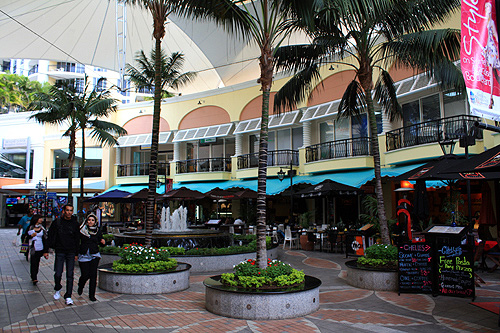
x=24, y=247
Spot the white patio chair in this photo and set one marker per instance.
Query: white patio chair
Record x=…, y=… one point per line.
x=288, y=237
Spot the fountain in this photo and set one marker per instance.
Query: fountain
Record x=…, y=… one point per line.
x=175, y=232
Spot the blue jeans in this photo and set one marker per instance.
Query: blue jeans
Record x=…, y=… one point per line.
x=61, y=258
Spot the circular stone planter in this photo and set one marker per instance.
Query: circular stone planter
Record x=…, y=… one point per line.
x=263, y=304
x=146, y=283
x=221, y=263
x=372, y=279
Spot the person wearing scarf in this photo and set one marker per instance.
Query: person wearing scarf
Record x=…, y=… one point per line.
x=88, y=254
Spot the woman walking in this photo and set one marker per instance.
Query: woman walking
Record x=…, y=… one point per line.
x=38, y=245
x=88, y=254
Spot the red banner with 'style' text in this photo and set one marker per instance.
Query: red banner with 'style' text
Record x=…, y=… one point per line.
x=479, y=55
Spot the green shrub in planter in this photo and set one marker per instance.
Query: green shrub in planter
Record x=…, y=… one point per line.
x=136, y=258
x=108, y=237
x=276, y=275
x=110, y=249
x=380, y=256
x=175, y=251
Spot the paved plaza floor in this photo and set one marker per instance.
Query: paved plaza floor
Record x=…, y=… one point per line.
x=27, y=308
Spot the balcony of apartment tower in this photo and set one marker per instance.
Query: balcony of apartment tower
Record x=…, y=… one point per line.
x=91, y=169
x=66, y=70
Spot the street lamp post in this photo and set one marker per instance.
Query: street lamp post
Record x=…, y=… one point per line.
x=281, y=176
x=42, y=187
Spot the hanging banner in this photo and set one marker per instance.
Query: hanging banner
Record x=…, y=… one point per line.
x=479, y=55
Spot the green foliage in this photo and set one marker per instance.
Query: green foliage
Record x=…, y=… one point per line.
x=248, y=238
x=369, y=206
x=250, y=247
x=138, y=254
x=380, y=255
x=108, y=237
x=375, y=262
x=174, y=251
x=382, y=251
x=17, y=92
x=277, y=274
x=147, y=267
x=110, y=250
x=305, y=218
x=451, y=208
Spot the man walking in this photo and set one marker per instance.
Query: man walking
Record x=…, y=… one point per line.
x=64, y=239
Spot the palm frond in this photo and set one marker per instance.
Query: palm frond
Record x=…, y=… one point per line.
x=296, y=89
x=353, y=101
x=297, y=57
x=385, y=93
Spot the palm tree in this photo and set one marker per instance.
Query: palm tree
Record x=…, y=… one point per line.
x=159, y=9
x=17, y=92
x=59, y=107
x=94, y=104
x=143, y=75
x=371, y=36
x=266, y=23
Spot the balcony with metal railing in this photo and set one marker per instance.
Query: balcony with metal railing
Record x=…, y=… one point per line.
x=216, y=164
x=141, y=169
x=338, y=149
x=432, y=131
x=274, y=158
x=89, y=172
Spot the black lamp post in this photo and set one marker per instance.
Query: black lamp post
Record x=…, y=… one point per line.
x=281, y=176
x=447, y=146
x=42, y=187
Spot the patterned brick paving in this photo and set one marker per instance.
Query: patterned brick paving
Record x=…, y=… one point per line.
x=366, y=317
x=340, y=296
x=27, y=308
x=414, y=302
x=321, y=263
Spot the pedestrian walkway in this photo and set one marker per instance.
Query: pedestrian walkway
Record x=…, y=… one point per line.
x=26, y=308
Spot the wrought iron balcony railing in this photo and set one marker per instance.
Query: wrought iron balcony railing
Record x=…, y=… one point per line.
x=89, y=171
x=217, y=164
x=338, y=149
x=431, y=131
x=274, y=158
x=141, y=169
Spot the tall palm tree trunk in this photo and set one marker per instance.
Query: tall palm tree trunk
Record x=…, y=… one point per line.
x=153, y=162
x=384, y=230
x=266, y=80
x=71, y=162
x=82, y=176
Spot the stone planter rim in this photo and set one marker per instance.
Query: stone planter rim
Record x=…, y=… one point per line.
x=213, y=282
x=181, y=266
x=353, y=264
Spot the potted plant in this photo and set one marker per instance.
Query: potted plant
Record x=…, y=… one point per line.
x=376, y=270
x=277, y=275
x=144, y=270
x=271, y=293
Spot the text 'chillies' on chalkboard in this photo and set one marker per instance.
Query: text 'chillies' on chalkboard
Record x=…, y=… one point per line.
x=455, y=270
x=415, y=268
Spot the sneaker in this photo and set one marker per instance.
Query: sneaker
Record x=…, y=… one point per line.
x=69, y=301
x=57, y=294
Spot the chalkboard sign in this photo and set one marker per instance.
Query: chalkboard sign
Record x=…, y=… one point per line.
x=455, y=274
x=415, y=268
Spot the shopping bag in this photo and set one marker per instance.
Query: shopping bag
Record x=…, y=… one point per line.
x=24, y=247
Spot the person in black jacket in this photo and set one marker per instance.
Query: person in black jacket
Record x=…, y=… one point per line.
x=88, y=254
x=64, y=239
